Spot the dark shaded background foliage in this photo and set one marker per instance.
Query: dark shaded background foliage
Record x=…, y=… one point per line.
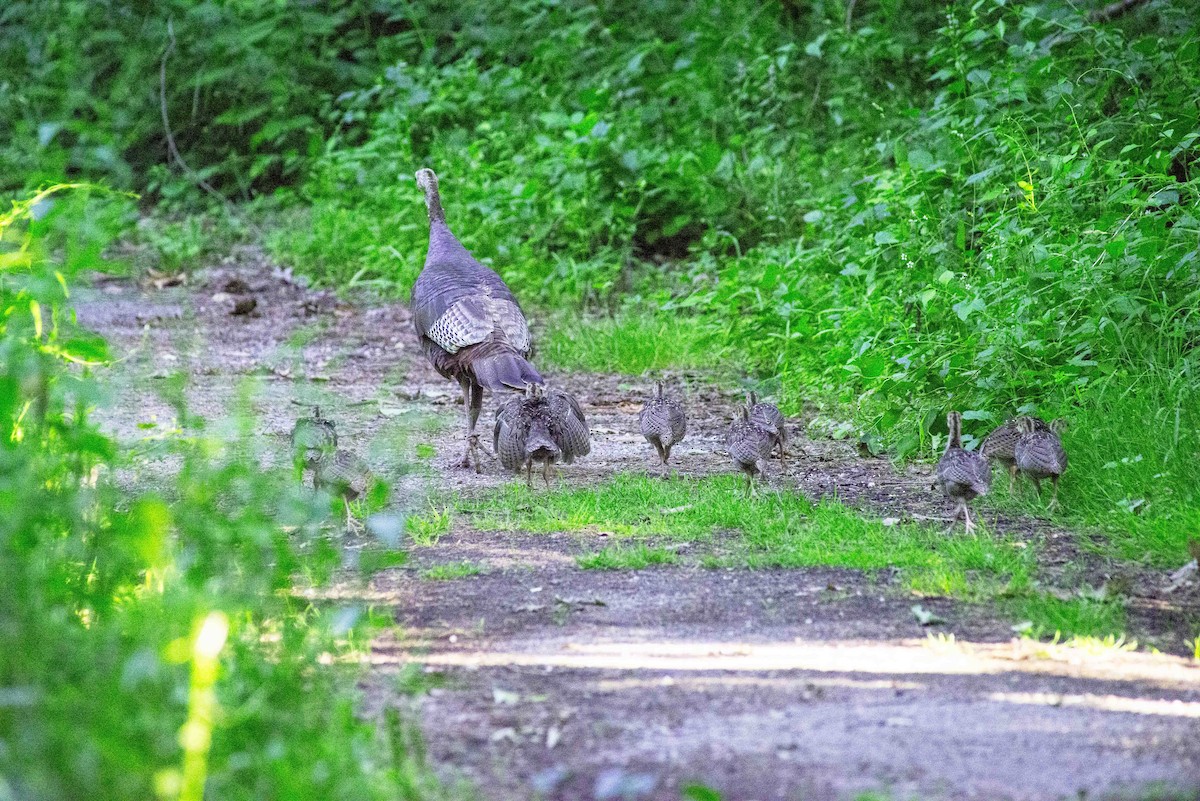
x=248, y=87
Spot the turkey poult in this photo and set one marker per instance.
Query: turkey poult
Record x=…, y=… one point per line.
x=546, y=426
x=962, y=475
x=768, y=414
x=750, y=443
x=345, y=476
x=312, y=437
x=1039, y=454
x=470, y=326
x=663, y=422
x=1001, y=444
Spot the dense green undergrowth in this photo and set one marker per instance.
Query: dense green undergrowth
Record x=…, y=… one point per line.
x=646, y=518
x=157, y=644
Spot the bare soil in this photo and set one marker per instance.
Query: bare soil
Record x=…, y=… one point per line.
x=560, y=683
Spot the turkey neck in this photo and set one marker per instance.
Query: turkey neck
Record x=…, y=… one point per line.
x=954, y=423
x=427, y=180
x=442, y=240
x=433, y=202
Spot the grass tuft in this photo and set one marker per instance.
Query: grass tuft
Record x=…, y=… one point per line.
x=451, y=571
x=426, y=529
x=1050, y=616
x=633, y=557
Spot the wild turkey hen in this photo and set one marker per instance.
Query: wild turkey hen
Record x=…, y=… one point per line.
x=471, y=327
x=962, y=474
x=663, y=422
x=544, y=426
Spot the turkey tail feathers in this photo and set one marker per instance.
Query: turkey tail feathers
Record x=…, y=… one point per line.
x=505, y=372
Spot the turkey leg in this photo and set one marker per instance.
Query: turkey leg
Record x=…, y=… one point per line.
x=472, y=404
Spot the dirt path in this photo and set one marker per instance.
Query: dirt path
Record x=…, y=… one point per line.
x=569, y=684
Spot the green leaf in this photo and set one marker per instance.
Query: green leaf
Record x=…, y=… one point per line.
x=965, y=309
x=91, y=350
x=920, y=160
x=700, y=792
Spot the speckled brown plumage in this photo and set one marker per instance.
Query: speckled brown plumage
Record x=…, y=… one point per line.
x=1000, y=445
x=750, y=444
x=663, y=422
x=1039, y=454
x=961, y=474
x=768, y=415
x=545, y=426
x=344, y=475
x=312, y=437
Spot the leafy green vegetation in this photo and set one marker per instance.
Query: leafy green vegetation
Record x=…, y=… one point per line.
x=100, y=81
x=129, y=618
x=884, y=210
x=893, y=207
x=990, y=208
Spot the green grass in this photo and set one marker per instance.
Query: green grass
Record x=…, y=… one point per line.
x=627, y=557
x=1131, y=477
x=304, y=335
x=773, y=530
x=426, y=529
x=451, y=571
x=783, y=530
x=1050, y=616
x=632, y=342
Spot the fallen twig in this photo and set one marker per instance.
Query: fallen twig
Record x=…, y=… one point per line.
x=172, y=148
